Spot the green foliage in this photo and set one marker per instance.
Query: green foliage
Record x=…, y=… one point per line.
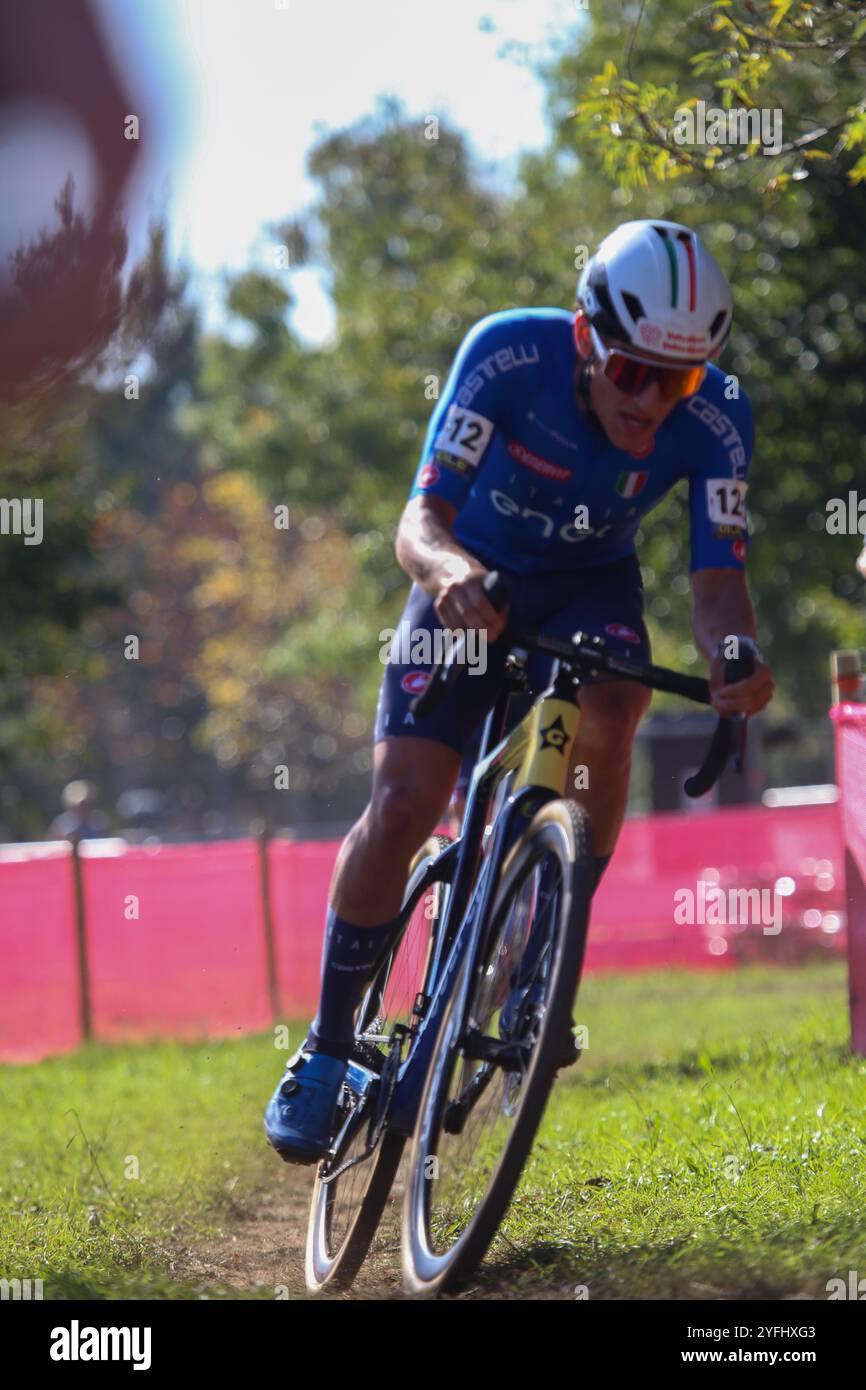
x=136, y=1158
x=417, y=243
x=708, y=1145
x=756, y=55
x=800, y=305
x=83, y=451
x=711, y=1148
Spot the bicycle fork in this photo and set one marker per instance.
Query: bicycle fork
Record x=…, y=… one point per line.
x=468, y=941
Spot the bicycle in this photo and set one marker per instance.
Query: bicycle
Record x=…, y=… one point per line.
x=459, y=1036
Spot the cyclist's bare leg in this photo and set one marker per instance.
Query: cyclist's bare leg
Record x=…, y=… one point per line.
x=412, y=782
x=610, y=714
x=456, y=810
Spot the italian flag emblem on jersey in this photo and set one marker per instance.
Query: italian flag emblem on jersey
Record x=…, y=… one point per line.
x=630, y=484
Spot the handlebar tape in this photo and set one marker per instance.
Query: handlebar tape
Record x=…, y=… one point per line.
x=722, y=743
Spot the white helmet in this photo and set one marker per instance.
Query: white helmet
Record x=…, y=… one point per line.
x=654, y=285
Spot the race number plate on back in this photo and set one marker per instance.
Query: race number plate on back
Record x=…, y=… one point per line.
x=464, y=433
x=726, y=501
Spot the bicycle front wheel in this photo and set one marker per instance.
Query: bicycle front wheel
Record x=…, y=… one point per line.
x=497, y=1052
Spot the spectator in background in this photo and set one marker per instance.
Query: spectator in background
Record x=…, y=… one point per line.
x=80, y=819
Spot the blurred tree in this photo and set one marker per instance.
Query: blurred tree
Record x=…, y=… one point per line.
x=791, y=246
x=416, y=250
x=260, y=643
x=49, y=591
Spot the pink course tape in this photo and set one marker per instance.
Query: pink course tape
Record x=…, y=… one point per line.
x=850, y=722
x=176, y=943
x=39, y=1005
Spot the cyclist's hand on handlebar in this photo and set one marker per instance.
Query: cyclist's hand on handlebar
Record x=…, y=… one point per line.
x=748, y=696
x=462, y=603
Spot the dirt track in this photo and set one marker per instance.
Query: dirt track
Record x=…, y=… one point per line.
x=260, y=1245
x=259, y=1248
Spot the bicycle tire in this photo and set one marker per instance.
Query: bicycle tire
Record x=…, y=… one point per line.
x=562, y=827
x=336, y=1269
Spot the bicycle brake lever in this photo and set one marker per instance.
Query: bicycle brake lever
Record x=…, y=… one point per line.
x=497, y=591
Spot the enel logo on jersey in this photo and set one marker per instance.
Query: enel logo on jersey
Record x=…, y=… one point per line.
x=506, y=506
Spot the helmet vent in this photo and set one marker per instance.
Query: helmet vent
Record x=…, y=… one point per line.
x=606, y=318
x=603, y=295
x=634, y=306
x=716, y=325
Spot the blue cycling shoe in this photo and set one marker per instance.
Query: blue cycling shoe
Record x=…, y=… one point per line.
x=516, y=1015
x=300, y=1113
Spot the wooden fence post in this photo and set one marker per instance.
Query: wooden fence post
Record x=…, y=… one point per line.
x=85, y=1010
x=263, y=840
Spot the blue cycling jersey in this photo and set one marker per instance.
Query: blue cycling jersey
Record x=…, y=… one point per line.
x=538, y=485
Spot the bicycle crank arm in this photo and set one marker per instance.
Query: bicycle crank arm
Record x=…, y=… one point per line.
x=511, y=1056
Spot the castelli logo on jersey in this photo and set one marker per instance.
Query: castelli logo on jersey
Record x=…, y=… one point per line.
x=429, y=475
x=628, y=634
x=536, y=463
x=648, y=333
x=415, y=681
x=739, y=549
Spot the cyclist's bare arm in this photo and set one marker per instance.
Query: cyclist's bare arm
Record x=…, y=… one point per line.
x=427, y=550
x=722, y=607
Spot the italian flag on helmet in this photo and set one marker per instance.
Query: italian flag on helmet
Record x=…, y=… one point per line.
x=655, y=286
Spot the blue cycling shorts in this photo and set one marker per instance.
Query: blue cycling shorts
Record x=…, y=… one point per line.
x=602, y=599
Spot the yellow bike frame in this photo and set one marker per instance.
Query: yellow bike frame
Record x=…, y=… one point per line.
x=537, y=750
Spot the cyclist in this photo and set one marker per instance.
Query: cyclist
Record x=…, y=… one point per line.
x=556, y=433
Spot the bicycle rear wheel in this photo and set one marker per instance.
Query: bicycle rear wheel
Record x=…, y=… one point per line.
x=346, y=1208
x=487, y=1086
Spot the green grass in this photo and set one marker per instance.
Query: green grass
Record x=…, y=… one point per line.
x=72, y=1130
x=710, y=1143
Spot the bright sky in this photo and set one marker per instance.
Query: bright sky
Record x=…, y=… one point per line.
x=244, y=85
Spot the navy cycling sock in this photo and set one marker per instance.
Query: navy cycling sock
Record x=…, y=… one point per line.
x=538, y=939
x=349, y=958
